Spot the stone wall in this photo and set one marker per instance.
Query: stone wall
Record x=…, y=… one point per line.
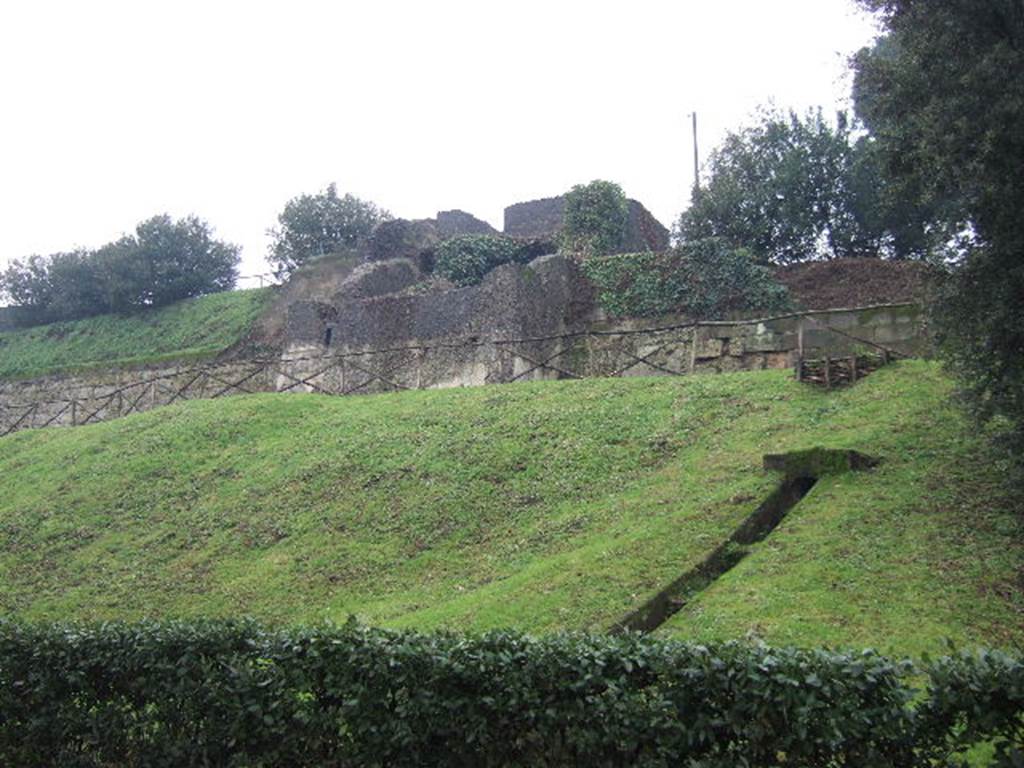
x=535, y=218
x=605, y=348
x=460, y=355
x=456, y=222
x=543, y=219
x=86, y=398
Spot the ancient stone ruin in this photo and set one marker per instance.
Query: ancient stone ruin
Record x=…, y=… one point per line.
x=393, y=299
x=388, y=323
x=391, y=324
x=543, y=219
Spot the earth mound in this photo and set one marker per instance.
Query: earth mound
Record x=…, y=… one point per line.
x=860, y=282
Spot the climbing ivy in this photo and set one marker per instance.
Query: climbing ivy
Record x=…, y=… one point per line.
x=465, y=259
x=704, y=279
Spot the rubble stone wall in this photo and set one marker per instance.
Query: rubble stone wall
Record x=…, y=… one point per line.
x=544, y=218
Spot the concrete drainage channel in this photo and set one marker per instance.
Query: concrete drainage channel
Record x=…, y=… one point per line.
x=801, y=470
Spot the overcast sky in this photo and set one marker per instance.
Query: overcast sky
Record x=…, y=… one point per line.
x=112, y=112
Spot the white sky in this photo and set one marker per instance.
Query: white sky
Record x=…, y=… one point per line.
x=115, y=111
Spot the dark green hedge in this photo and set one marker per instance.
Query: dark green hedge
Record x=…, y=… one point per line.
x=176, y=694
x=465, y=259
x=703, y=279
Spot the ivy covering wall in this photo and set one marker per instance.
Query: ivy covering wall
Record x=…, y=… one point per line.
x=465, y=259
x=705, y=279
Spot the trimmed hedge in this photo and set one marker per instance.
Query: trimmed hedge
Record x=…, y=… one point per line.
x=230, y=693
x=974, y=698
x=704, y=279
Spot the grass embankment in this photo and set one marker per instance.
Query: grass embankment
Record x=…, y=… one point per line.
x=191, y=329
x=539, y=506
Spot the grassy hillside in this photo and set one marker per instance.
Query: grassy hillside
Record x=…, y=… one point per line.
x=189, y=329
x=540, y=506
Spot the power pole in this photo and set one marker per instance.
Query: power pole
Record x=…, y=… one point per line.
x=696, y=157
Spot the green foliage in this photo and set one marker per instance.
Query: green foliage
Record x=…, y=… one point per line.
x=975, y=698
x=465, y=259
x=236, y=694
x=62, y=285
x=792, y=189
x=943, y=92
x=704, y=279
x=596, y=217
x=316, y=225
x=540, y=506
x=229, y=693
x=190, y=329
x=162, y=262
x=180, y=260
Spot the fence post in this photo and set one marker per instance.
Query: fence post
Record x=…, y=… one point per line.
x=828, y=372
x=693, y=348
x=800, y=349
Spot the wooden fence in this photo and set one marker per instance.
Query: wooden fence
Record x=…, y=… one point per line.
x=675, y=349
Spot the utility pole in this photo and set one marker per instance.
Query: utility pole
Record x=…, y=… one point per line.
x=696, y=158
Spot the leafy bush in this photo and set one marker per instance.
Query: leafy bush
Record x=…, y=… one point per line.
x=228, y=693
x=703, y=279
x=596, y=217
x=465, y=259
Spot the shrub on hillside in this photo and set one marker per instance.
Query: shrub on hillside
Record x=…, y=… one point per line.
x=704, y=279
x=595, y=219
x=465, y=259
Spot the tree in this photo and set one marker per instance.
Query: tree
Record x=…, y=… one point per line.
x=177, y=260
x=595, y=218
x=943, y=93
x=162, y=262
x=315, y=225
x=26, y=283
x=61, y=286
x=791, y=189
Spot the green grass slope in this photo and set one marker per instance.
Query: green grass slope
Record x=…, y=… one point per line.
x=539, y=506
x=189, y=329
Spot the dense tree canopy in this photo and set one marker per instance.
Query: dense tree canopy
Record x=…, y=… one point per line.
x=793, y=188
x=943, y=93
x=315, y=225
x=163, y=261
